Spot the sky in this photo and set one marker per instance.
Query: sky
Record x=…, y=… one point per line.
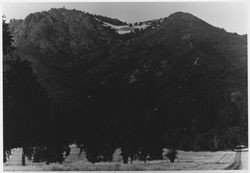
x=230, y=15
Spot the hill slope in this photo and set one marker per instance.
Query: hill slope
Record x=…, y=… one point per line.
x=179, y=73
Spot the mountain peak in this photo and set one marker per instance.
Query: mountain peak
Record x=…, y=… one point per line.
x=182, y=16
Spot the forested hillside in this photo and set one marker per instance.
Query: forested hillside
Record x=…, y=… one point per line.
x=177, y=83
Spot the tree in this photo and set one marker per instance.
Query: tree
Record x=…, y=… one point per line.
x=7, y=38
x=172, y=154
x=26, y=107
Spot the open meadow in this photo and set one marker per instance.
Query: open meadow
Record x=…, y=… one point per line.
x=187, y=160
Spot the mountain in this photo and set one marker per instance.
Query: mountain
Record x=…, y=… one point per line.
x=182, y=40
x=177, y=69
x=55, y=41
x=183, y=60
x=59, y=41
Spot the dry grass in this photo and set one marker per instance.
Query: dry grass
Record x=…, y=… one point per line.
x=186, y=161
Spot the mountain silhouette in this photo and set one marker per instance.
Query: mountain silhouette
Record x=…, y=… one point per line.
x=176, y=69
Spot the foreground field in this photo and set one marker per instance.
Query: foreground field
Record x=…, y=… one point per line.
x=186, y=161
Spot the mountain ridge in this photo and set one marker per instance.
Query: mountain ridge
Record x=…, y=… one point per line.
x=179, y=56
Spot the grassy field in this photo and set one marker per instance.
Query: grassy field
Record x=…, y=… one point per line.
x=186, y=161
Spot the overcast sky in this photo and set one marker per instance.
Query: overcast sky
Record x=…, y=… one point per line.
x=232, y=16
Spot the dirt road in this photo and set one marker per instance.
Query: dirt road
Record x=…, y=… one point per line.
x=240, y=161
x=244, y=160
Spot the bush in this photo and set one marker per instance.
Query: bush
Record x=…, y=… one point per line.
x=172, y=154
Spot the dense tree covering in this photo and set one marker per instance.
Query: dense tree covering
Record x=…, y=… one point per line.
x=26, y=121
x=180, y=85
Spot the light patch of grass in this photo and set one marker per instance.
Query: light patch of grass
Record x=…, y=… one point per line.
x=186, y=161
